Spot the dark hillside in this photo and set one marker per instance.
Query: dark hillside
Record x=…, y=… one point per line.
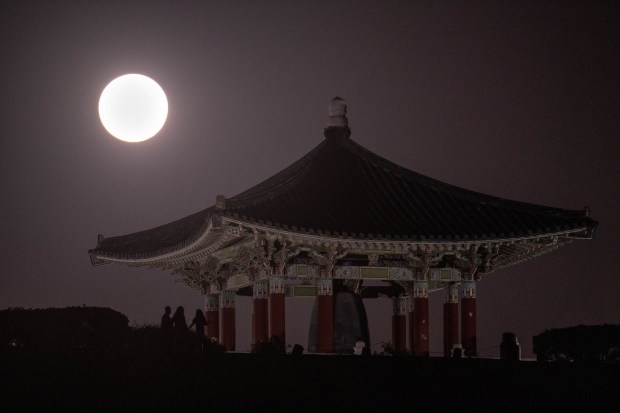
x=90, y=360
x=236, y=382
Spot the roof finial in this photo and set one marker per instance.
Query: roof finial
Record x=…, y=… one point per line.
x=220, y=202
x=337, y=122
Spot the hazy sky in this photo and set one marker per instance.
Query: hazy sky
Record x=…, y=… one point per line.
x=514, y=99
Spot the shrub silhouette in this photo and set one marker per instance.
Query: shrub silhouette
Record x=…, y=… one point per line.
x=578, y=343
x=273, y=346
x=94, y=330
x=62, y=329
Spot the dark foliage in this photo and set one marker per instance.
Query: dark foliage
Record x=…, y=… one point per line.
x=234, y=382
x=148, y=341
x=91, y=330
x=62, y=329
x=579, y=343
x=150, y=371
x=273, y=346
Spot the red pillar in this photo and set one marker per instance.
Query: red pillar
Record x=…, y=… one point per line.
x=212, y=311
x=260, y=313
x=325, y=315
x=399, y=323
x=450, y=319
x=411, y=323
x=468, y=319
x=420, y=318
x=228, y=336
x=277, y=310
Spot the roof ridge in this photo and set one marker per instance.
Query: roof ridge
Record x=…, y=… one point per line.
x=192, y=233
x=265, y=190
x=436, y=184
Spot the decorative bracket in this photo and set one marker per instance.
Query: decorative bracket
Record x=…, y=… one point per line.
x=282, y=256
x=469, y=260
x=199, y=274
x=490, y=258
x=329, y=258
x=373, y=260
x=425, y=261
x=249, y=260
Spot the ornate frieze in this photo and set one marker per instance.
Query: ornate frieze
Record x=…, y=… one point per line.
x=328, y=258
x=424, y=261
x=302, y=271
x=262, y=254
x=420, y=289
x=212, y=302
x=351, y=272
x=469, y=289
x=253, y=260
x=235, y=231
x=300, y=290
x=373, y=260
x=200, y=274
x=276, y=284
x=406, y=285
x=410, y=304
x=451, y=293
x=303, y=261
x=347, y=273
x=237, y=281
x=400, y=305
x=490, y=258
x=400, y=273
x=228, y=298
x=445, y=274
x=377, y=273
x=282, y=257
x=260, y=290
x=469, y=260
x=324, y=286
x=213, y=287
x=219, y=230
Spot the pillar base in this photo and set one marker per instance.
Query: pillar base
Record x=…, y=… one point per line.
x=450, y=327
x=228, y=336
x=468, y=321
x=421, y=327
x=213, y=324
x=399, y=333
x=277, y=322
x=325, y=321
x=228, y=333
x=260, y=321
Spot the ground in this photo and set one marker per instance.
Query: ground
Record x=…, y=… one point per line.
x=122, y=381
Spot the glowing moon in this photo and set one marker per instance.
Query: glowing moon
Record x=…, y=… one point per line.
x=133, y=108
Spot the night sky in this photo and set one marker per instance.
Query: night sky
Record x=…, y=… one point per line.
x=514, y=99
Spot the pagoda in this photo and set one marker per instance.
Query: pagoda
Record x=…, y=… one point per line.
x=342, y=218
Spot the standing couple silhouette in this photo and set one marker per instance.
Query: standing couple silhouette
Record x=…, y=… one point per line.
x=178, y=324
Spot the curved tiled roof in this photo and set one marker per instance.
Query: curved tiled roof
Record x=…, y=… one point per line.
x=156, y=241
x=341, y=188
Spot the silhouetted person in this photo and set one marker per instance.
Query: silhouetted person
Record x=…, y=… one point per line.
x=277, y=344
x=200, y=322
x=166, y=322
x=178, y=321
x=457, y=352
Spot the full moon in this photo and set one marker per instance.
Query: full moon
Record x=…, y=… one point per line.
x=133, y=108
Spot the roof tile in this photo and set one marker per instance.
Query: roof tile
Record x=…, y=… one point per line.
x=344, y=189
